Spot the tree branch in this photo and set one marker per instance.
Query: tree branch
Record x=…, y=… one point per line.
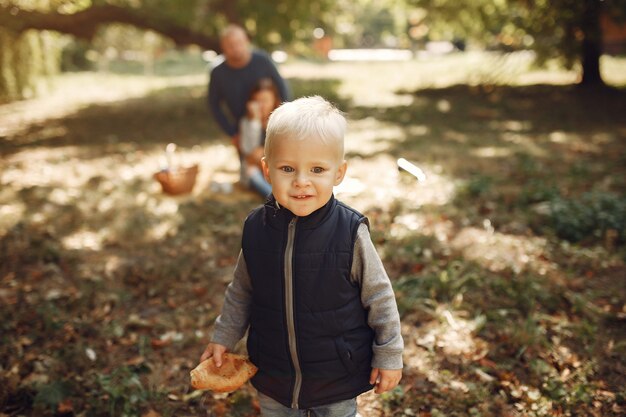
x=85, y=23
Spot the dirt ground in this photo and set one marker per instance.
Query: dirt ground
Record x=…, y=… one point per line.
x=109, y=287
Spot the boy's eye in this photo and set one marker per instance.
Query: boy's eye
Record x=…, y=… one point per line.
x=286, y=169
x=317, y=170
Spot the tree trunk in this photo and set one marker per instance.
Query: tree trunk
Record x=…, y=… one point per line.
x=591, y=49
x=26, y=62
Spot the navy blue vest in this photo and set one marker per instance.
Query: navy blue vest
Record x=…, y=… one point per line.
x=329, y=357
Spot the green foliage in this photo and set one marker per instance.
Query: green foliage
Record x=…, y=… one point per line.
x=369, y=23
x=441, y=286
x=74, y=57
x=553, y=29
x=328, y=88
x=125, y=391
x=481, y=20
x=579, y=392
x=476, y=186
x=537, y=191
x=49, y=396
x=589, y=217
x=240, y=404
x=393, y=399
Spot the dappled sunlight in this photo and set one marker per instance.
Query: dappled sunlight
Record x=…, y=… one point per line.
x=450, y=335
x=579, y=143
x=455, y=136
x=377, y=182
x=499, y=314
x=492, y=152
x=453, y=334
x=422, y=224
x=350, y=186
x=369, y=136
x=75, y=91
x=373, y=173
x=417, y=130
x=107, y=205
x=43, y=166
x=83, y=240
x=527, y=143
x=11, y=212
x=511, y=125
x=498, y=251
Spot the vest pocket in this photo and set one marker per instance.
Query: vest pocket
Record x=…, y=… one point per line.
x=345, y=354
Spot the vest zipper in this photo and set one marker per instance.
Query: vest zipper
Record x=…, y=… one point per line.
x=291, y=327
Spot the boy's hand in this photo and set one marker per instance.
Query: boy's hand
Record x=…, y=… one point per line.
x=215, y=351
x=385, y=379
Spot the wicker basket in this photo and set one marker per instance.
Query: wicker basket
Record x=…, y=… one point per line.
x=177, y=181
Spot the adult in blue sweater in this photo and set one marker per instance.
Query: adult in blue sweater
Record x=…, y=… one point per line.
x=232, y=81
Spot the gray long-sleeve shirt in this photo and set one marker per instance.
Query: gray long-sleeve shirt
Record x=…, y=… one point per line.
x=377, y=298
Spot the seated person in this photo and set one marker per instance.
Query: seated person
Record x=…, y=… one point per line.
x=264, y=98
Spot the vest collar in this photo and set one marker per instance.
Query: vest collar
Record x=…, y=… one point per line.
x=279, y=216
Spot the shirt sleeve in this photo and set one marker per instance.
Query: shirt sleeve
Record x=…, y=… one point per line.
x=232, y=323
x=215, y=104
x=379, y=300
x=250, y=135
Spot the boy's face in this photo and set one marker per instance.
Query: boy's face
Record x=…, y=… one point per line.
x=303, y=173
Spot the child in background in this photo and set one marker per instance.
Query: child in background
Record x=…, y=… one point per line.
x=264, y=98
x=308, y=285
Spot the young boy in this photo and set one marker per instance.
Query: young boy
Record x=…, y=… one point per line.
x=322, y=317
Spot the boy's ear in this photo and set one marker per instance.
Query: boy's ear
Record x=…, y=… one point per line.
x=341, y=172
x=266, y=170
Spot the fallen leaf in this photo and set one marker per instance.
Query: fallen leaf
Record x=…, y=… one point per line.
x=135, y=360
x=487, y=363
x=65, y=407
x=199, y=291
x=159, y=343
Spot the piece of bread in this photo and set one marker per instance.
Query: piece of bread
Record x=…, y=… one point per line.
x=234, y=372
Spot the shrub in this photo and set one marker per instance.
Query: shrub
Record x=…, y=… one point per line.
x=591, y=216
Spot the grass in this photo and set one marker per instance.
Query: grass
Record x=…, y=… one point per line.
x=508, y=261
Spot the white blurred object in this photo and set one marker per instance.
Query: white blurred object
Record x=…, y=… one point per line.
x=381, y=54
x=91, y=354
x=279, y=56
x=170, y=151
x=440, y=47
x=209, y=55
x=412, y=169
x=221, y=187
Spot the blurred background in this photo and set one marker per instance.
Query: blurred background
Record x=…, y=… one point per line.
x=507, y=258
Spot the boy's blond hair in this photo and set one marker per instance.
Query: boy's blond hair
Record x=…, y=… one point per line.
x=306, y=118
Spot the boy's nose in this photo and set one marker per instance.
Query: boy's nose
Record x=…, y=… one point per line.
x=301, y=180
